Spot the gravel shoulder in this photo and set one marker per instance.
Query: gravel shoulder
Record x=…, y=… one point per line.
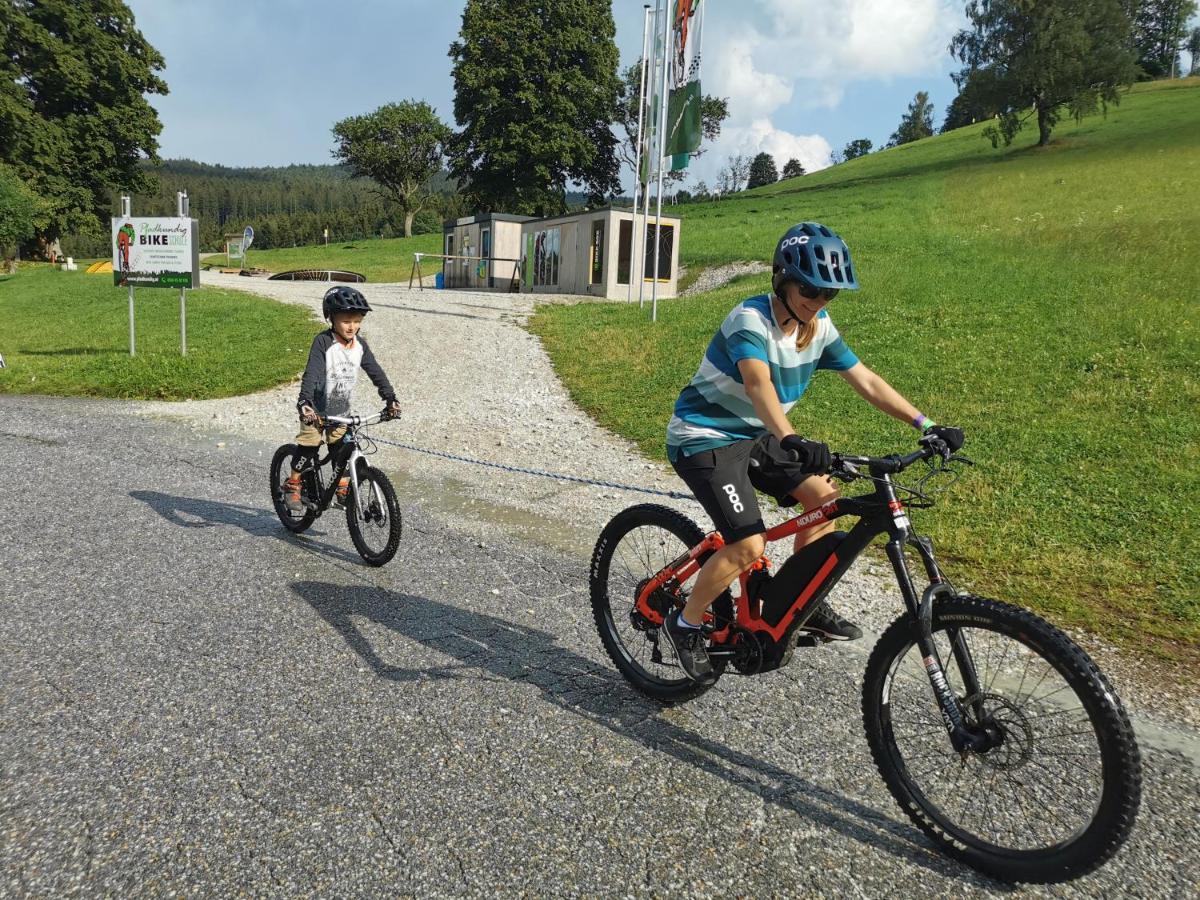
x=473, y=382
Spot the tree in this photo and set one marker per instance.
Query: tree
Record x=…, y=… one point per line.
x=713, y=112
x=915, y=124
x=1160, y=32
x=734, y=176
x=535, y=94
x=793, y=168
x=762, y=171
x=1193, y=47
x=856, y=148
x=973, y=102
x=74, y=121
x=1046, y=55
x=400, y=146
x=19, y=213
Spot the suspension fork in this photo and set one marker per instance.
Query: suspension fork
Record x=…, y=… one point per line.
x=939, y=586
x=961, y=736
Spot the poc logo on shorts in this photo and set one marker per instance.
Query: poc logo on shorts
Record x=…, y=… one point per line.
x=734, y=500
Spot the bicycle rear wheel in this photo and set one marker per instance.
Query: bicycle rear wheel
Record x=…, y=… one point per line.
x=373, y=518
x=1057, y=794
x=635, y=545
x=281, y=468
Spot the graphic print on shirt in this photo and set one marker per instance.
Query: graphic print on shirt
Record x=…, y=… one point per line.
x=341, y=373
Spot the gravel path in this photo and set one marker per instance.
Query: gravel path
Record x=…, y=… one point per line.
x=715, y=276
x=193, y=703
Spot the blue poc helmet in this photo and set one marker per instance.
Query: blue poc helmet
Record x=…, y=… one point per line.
x=343, y=299
x=815, y=257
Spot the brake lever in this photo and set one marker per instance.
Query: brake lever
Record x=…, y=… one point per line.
x=958, y=457
x=844, y=470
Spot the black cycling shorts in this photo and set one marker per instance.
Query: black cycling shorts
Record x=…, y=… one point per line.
x=724, y=481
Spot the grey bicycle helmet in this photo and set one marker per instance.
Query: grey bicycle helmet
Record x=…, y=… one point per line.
x=813, y=255
x=343, y=299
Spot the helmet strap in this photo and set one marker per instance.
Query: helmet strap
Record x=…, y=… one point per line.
x=777, y=286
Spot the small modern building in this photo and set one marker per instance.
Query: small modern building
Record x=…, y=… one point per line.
x=594, y=252
x=590, y=252
x=488, y=251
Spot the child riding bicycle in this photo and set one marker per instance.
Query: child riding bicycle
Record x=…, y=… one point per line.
x=328, y=383
x=730, y=435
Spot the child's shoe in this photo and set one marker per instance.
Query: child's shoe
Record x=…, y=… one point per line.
x=342, y=492
x=291, y=494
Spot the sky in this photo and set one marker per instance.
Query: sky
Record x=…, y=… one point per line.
x=261, y=83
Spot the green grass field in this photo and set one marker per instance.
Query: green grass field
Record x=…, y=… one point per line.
x=67, y=333
x=1045, y=299
x=380, y=260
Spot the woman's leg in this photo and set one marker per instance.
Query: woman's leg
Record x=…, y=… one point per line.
x=811, y=493
x=718, y=573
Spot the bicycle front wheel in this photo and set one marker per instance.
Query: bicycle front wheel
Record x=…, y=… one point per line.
x=633, y=547
x=373, y=518
x=1056, y=794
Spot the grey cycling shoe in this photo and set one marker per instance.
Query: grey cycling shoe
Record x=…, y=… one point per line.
x=688, y=647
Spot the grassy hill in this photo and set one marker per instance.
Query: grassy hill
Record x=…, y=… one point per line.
x=1045, y=299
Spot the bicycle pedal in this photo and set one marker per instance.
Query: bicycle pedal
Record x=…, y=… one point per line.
x=811, y=639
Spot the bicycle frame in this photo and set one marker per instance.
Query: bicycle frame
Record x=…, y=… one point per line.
x=346, y=457
x=880, y=512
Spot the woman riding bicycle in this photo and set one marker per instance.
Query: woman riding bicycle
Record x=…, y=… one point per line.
x=730, y=434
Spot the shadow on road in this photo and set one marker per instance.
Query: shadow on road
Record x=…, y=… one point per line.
x=567, y=680
x=189, y=512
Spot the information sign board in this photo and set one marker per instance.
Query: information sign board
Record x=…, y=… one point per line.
x=156, y=252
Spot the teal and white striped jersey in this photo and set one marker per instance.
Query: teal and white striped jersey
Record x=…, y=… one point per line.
x=714, y=409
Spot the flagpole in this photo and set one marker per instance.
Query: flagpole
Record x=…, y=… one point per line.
x=637, y=168
x=650, y=82
x=662, y=136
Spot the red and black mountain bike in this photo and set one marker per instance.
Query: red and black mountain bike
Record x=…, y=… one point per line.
x=998, y=735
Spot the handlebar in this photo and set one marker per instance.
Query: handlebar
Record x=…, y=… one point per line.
x=357, y=421
x=848, y=465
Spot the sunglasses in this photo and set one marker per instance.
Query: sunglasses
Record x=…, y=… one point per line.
x=812, y=293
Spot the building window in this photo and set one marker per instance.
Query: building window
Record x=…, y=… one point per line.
x=545, y=258
x=624, y=250
x=597, y=252
x=664, y=252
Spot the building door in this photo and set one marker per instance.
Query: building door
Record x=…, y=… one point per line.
x=485, y=250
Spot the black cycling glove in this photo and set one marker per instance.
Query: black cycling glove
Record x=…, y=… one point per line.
x=813, y=456
x=952, y=437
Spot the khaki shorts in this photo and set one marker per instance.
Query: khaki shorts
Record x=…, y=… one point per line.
x=310, y=435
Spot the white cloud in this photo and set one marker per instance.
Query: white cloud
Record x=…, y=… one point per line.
x=764, y=54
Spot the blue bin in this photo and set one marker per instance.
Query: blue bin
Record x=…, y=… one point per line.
x=439, y=281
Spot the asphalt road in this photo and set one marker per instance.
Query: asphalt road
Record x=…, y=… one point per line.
x=194, y=702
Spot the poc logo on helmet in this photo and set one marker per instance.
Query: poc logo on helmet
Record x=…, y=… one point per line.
x=734, y=500
x=794, y=240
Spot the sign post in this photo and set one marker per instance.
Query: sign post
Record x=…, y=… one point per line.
x=160, y=252
x=181, y=199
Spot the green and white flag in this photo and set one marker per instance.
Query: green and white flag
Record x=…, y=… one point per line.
x=683, y=104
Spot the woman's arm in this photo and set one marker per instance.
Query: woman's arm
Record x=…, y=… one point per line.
x=756, y=378
x=880, y=394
